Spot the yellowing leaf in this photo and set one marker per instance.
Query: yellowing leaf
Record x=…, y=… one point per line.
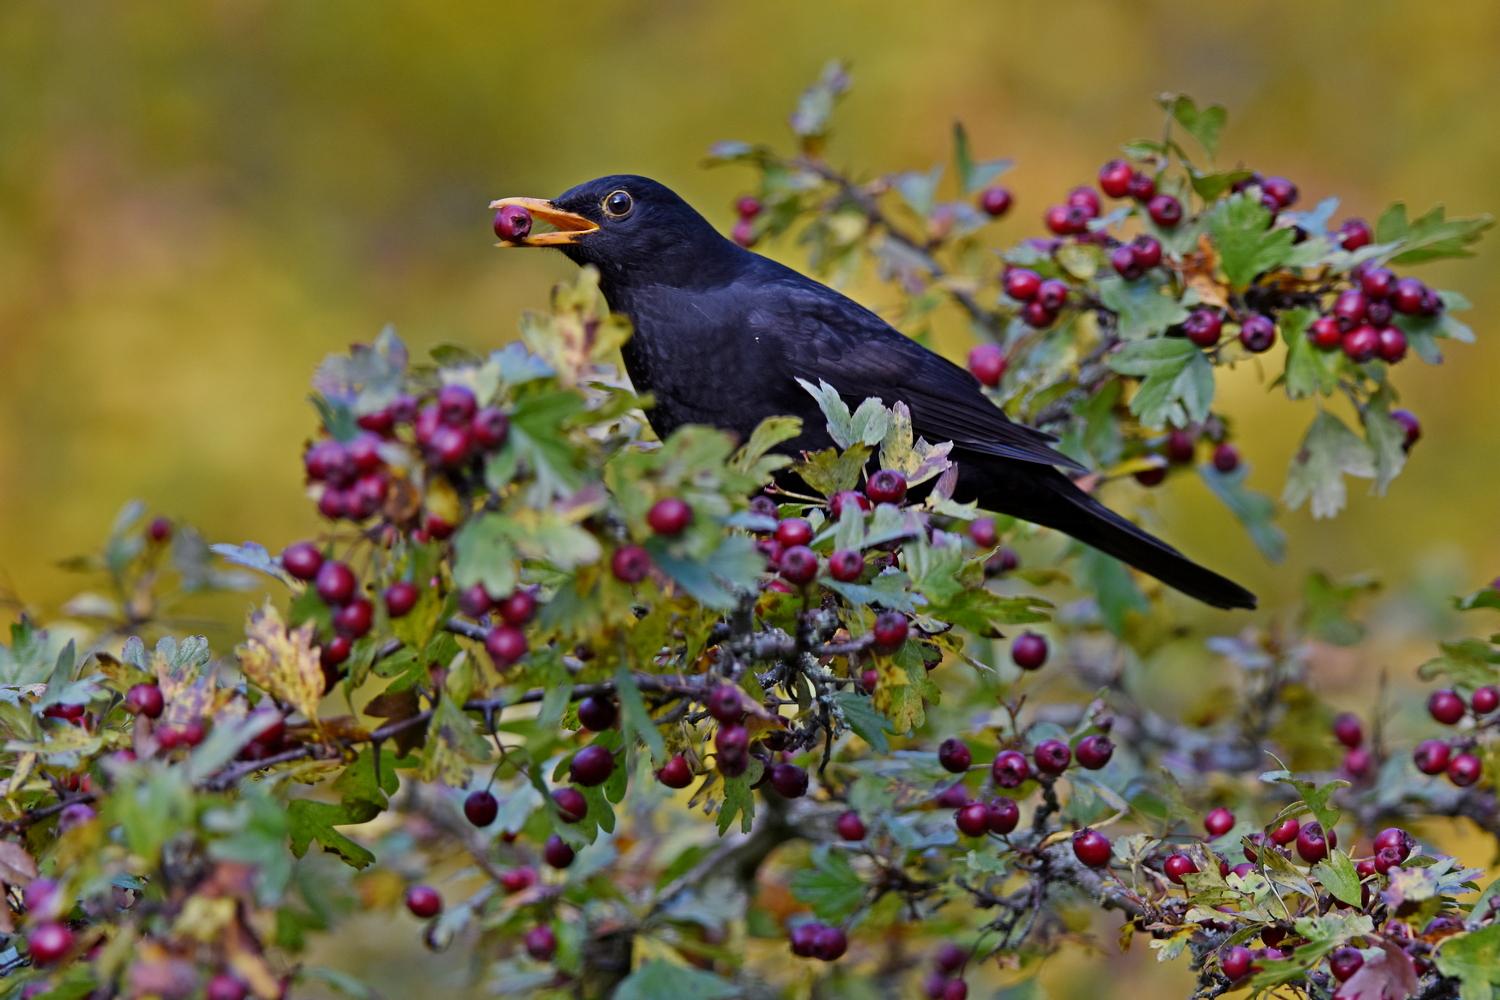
x=283, y=661
x=918, y=461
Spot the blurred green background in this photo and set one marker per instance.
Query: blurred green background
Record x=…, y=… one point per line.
x=200, y=200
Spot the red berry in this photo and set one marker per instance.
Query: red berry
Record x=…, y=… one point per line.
x=1445, y=706
x=541, y=943
x=630, y=563
x=1154, y=476
x=1204, y=327
x=955, y=989
x=1286, y=832
x=1066, y=220
x=302, y=560
x=335, y=584
x=676, y=773
x=1395, y=839
x=1391, y=344
x=1218, y=822
x=1002, y=562
x=954, y=755
x=1022, y=283
x=1349, y=309
x=159, y=530
x=1377, y=282
x=1312, y=845
x=436, y=527
x=1178, y=865
x=1029, y=651
x=512, y=223
x=1281, y=190
x=144, y=699
x=789, y=780
x=1345, y=962
x=1235, y=962
x=481, y=808
x=1010, y=769
x=490, y=428
x=449, y=446
x=983, y=532
x=598, y=712
x=1125, y=265
x=1091, y=848
x=428, y=420
x=327, y=460
x=669, y=516
x=1324, y=333
x=1357, y=762
x=1465, y=769
x=846, y=566
x=381, y=422
x=225, y=987
x=973, y=819
x=592, y=766
x=988, y=363
x=1094, y=752
x=743, y=233
x=1226, y=457
x=1355, y=233
x=1431, y=756
x=335, y=651
x=1052, y=756
x=868, y=679
x=73, y=815
x=505, y=645
x=1409, y=422
x=1165, y=211
x=725, y=704
x=890, y=631
x=1407, y=296
x=886, y=486
x=794, y=531
x=803, y=937
x=1142, y=186
x=1038, y=316
x=952, y=797
x=838, y=500
x=830, y=944
x=748, y=207
x=456, y=405
x=995, y=201
x=1485, y=700
x=1179, y=448
x=850, y=827
x=1114, y=178
x=1052, y=293
x=732, y=740
x=1257, y=333
x=355, y=618
x=424, y=901
x=798, y=565
x=517, y=609
x=400, y=598
x=475, y=601
x=1362, y=343
x=1147, y=251
x=571, y=805
x=1002, y=815
x=949, y=958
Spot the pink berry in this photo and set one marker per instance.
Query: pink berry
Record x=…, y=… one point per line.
x=424, y=901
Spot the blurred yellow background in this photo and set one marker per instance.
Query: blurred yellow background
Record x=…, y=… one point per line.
x=198, y=201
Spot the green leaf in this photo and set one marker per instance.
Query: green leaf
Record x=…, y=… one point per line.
x=1143, y=309
x=1326, y=607
x=1315, y=796
x=453, y=746
x=661, y=980
x=484, y=553
x=830, y=472
x=1202, y=124
x=1329, y=451
x=918, y=461
x=1387, y=439
x=1484, y=597
x=752, y=460
x=1247, y=246
x=888, y=590
x=866, y=425
x=637, y=721
x=1474, y=960
x=1469, y=662
x=973, y=175
x=1178, y=380
x=868, y=724
x=934, y=566
x=1113, y=586
x=734, y=565
x=308, y=821
x=1254, y=510
x=981, y=611
x=1430, y=237
x=810, y=120
x=1308, y=369
x=831, y=887
x=1338, y=876
x=739, y=799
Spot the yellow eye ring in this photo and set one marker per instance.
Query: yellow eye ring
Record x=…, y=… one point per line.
x=617, y=204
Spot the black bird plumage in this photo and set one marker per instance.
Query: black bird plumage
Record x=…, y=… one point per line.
x=723, y=334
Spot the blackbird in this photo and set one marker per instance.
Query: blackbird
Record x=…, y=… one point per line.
x=722, y=335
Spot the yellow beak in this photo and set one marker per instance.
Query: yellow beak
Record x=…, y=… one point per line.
x=570, y=225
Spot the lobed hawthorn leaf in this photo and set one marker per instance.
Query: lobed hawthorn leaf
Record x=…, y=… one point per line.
x=1254, y=510
x=283, y=661
x=1329, y=450
x=739, y=800
x=918, y=461
x=1336, y=874
x=981, y=611
x=1113, y=587
x=1474, y=960
x=1309, y=371
x=752, y=458
x=1203, y=124
x=661, y=980
x=1387, y=439
x=831, y=886
x=1247, y=245
x=1422, y=332
x=1430, y=237
x=1177, y=380
x=810, y=120
x=859, y=712
x=1143, y=309
x=1468, y=662
x=1484, y=597
x=830, y=471
x=973, y=175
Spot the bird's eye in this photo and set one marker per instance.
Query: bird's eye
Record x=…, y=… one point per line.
x=617, y=204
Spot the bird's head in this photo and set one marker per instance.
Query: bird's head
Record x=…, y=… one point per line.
x=630, y=227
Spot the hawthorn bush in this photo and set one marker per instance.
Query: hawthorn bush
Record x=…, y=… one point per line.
x=673, y=730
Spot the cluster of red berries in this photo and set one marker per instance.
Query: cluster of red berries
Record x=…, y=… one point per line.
x=813, y=939
x=746, y=208
x=1463, y=767
x=668, y=517
x=1041, y=300
x=1348, y=730
x=1179, y=449
x=943, y=982
x=1360, y=320
x=506, y=639
x=1011, y=769
x=1119, y=179
x=335, y=583
x=733, y=750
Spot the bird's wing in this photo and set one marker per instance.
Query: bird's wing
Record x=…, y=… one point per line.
x=826, y=336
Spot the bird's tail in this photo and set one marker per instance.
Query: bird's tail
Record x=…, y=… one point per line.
x=1049, y=498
